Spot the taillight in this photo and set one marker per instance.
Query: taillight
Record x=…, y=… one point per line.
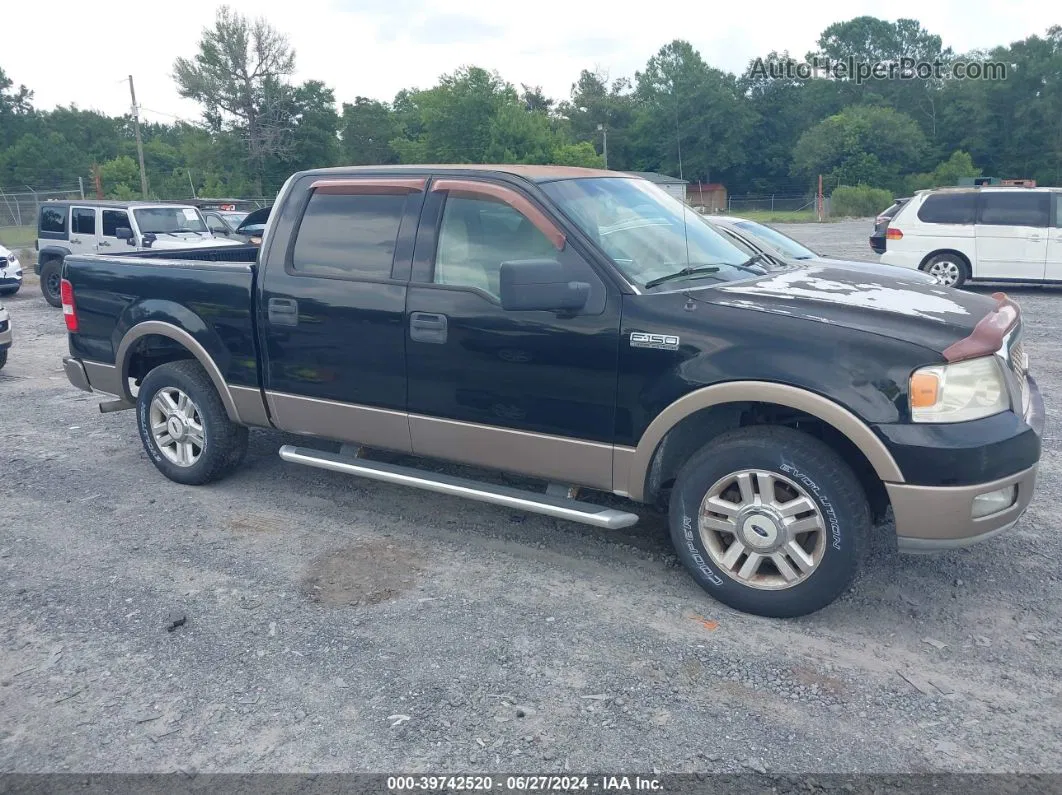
x=893, y=234
x=66, y=292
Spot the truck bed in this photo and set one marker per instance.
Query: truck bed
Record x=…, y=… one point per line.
x=247, y=254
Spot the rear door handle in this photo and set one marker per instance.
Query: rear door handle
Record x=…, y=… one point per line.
x=427, y=327
x=283, y=312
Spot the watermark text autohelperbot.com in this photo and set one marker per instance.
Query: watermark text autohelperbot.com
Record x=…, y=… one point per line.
x=864, y=71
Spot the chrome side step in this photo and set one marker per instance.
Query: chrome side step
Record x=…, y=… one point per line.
x=520, y=499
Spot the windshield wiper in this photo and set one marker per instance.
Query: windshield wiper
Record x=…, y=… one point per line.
x=688, y=271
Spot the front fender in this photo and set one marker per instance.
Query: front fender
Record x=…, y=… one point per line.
x=47, y=253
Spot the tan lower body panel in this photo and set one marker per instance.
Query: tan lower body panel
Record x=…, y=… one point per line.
x=343, y=422
x=249, y=405
x=944, y=513
x=533, y=454
x=104, y=378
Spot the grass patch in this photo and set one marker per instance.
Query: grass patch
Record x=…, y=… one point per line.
x=18, y=236
x=779, y=216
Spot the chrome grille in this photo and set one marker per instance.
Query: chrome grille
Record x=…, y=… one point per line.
x=1019, y=365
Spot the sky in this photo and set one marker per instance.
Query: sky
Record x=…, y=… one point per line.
x=79, y=54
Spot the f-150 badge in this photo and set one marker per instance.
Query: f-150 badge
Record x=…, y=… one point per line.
x=665, y=342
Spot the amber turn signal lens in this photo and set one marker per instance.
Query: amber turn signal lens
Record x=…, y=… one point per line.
x=925, y=388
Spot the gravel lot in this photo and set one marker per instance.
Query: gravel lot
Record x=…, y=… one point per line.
x=334, y=624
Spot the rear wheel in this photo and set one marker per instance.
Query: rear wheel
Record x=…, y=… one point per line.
x=770, y=521
x=950, y=270
x=51, y=277
x=183, y=425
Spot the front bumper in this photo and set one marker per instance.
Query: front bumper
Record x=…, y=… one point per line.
x=940, y=518
x=5, y=335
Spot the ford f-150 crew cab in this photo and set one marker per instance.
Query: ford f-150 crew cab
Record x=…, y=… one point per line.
x=584, y=329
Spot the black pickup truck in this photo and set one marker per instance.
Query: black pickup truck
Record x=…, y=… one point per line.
x=584, y=329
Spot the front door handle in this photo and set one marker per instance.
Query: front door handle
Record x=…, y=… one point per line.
x=427, y=327
x=104, y=243
x=283, y=311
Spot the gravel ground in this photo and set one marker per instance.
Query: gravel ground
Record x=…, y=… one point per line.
x=333, y=624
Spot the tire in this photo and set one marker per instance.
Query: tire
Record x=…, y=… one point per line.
x=950, y=270
x=800, y=466
x=3, y=358
x=51, y=276
x=221, y=443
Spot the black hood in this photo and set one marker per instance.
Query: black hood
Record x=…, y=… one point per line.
x=866, y=300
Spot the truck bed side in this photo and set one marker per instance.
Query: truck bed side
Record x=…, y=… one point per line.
x=137, y=311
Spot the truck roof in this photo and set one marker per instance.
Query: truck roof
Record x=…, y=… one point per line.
x=120, y=205
x=528, y=172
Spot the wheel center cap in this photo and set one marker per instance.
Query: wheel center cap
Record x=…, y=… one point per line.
x=760, y=531
x=175, y=428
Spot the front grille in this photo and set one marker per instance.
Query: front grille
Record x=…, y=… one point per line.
x=1019, y=365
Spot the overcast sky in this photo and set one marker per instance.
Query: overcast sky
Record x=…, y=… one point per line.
x=75, y=52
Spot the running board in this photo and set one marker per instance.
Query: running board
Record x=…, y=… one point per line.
x=520, y=499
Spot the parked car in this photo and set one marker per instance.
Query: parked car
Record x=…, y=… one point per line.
x=10, y=272
x=757, y=238
x=881, y=224
x=586, y=329
x=90, y=227
x=253, y=226
x=990, y=233
x=5, y=335
x=223, y=223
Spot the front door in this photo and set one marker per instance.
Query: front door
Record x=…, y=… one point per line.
x=110, y=222
x=524, y=390
x=331, y=313
x=84, y=223
x=1011, y=234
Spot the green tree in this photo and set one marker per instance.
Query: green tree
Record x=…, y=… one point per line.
x=367, y=129
x=239, y=77
x=120, y=177
x=860, y=145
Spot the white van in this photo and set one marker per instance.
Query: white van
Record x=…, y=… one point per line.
x=111, y=227
x=987, y=233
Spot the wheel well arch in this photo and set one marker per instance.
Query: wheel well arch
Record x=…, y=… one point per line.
x=937, y=252
x=692, y=421
x=152, y=343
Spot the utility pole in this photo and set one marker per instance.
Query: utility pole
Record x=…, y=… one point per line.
x=139, y=141
x=604, y=142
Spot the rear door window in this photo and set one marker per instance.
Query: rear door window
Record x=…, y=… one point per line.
x=348, y=235
x=83, y=221
x=1015, y=208
x=949, y=208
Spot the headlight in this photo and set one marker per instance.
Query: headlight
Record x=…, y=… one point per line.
x=958, y=392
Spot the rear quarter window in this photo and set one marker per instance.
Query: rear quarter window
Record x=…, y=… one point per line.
x=949, y=208
x=53, y=221
x=348, y=236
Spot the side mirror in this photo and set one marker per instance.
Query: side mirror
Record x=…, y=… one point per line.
x=123, y=233
x=528, y=285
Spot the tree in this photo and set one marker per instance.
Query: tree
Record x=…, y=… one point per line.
x=239, y=76
x=367, y=129
x=860, y=145
x=692, y=117
x=948, y=172
x=15, y=105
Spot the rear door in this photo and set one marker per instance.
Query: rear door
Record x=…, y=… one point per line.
x=531, y=391
x=331, y=308
x=84, y=224
x=1012, y=232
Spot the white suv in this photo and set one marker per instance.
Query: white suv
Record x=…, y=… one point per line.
x=988, y=233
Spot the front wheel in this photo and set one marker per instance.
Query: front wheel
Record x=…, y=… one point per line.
x=3, y=358
x=183, y=425
x=770, y=521
x=51, y=279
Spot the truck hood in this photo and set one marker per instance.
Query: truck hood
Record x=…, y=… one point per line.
x=876, y=302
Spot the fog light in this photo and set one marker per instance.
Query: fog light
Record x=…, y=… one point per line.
x=994, y=501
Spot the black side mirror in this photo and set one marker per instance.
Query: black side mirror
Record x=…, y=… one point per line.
x=123, y=233
x=538, y=284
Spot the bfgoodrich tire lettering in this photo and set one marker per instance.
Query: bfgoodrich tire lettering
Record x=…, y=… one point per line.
x=220, y=444
x=805, y=479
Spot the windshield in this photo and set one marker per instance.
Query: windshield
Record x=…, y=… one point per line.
x=779, y=242
x=647, y=232
x=169, y=220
